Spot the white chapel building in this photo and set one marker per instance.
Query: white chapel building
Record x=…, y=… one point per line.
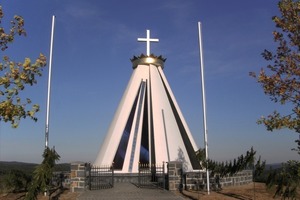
x=148, y=126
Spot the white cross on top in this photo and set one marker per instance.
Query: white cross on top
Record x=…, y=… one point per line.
x=148, y=40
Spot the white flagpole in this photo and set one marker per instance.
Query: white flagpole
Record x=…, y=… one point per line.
x=204, y=104
x=49, y=86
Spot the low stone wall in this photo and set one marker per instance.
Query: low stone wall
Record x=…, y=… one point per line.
x=194, y=180
x=197, y=180
x=240, y=178
x=79, y=172
x=176, y=179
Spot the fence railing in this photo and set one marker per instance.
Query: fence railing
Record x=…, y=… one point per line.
x=152, y=175
x=99, y=177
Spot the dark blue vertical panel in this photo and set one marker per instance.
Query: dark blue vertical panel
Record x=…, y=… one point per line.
x=121, y=152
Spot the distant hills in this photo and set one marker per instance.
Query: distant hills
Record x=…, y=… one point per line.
x=273, y=166
x=6, y=166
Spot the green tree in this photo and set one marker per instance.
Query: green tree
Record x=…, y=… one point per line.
x=230, y=168
x=43, y=174
x=15, y=76
x=281, y=81
x=200, y=155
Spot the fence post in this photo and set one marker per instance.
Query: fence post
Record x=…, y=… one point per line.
x=90, y=176
x=181, y=180
x=164, y=181
x=153, y=172
x=112, y=173
x=139, y=178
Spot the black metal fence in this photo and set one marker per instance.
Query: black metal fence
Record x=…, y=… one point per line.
x=99, y=177
x=152, y=176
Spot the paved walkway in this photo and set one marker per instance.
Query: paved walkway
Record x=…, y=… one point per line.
x=126, y=191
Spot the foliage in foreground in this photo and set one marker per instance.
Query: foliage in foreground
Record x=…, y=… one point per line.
x=281, y=81
x=17, y=176
x=15, y=76
x=43, y=174
x=286, y=180
x=16, y=181
x=281, y=78
x=230, y=168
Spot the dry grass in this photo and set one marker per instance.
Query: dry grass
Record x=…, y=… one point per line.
x=66, y=195
x=243, y=192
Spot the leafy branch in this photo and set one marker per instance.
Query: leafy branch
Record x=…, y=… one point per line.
x=15, y=76
x=280, y=80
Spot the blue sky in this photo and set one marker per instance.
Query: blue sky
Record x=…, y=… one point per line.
x=94, y=41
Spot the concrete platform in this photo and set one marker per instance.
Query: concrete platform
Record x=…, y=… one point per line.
x=126, y=191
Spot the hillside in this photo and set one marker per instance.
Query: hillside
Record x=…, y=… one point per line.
x=27, y=167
